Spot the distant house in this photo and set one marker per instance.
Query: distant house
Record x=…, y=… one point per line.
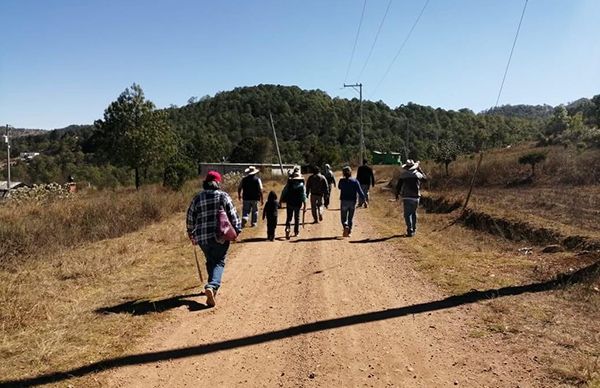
x=386, y=157
x=26, y=156
x=4, y=187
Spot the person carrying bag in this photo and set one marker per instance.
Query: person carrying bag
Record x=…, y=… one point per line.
x=212, y=223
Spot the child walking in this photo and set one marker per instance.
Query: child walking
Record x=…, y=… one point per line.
x=270, y=212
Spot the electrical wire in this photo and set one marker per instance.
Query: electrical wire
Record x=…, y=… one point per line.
x=511, y=54
x=375, y=41
x=355, y=41
x=401, y=47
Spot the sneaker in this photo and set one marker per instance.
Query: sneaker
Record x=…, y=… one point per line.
x=296, y=234
x=366, y=205
x=287, y=234
x=346, y=232
x=210, y=297
x=252, y=225
x=320, y=217
x=244, y=221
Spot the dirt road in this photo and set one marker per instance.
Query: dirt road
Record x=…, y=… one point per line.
x=320, y=310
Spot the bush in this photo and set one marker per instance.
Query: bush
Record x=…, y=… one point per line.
x=177, y=173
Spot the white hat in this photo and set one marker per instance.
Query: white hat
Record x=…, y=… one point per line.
x=296, y=175
x=410, y=164
x=251, y=170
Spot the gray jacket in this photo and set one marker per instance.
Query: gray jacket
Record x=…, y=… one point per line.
x=409, y=184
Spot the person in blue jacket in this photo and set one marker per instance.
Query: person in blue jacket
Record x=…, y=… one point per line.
x=350, y=191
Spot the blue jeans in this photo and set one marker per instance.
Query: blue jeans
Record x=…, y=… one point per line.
x=293, y=212
x=215, y=254
x=347, y=213
x=365, y=189
x=250, y=206
x=410, y=214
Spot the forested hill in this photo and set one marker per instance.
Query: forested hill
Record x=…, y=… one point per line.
x=312, y=128
x=523, y=111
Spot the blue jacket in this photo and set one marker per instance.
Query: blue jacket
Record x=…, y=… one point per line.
x=350, y=189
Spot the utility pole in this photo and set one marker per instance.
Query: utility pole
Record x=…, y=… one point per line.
x=362, y=135
x=406, y=144
x=276, y=144
x=6, y=140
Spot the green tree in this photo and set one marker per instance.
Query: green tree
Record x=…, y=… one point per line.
x=178, y=170
x=252, y=150
x=134, y=134
x=446, y=152
x=559, y=122
x=532, y=159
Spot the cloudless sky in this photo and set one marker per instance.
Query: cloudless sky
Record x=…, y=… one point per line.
x=63, y=61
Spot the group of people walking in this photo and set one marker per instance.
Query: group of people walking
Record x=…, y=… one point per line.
x=203, y=213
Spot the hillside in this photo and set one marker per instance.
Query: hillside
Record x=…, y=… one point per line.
x=312, y=128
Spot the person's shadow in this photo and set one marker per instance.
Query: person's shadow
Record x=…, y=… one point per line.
x=376, y=240
x=142, y=306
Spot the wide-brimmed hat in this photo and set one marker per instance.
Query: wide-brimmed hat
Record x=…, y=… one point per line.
x=410, y=164
x=251, y=170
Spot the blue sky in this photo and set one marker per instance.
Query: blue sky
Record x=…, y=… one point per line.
x=63, y=61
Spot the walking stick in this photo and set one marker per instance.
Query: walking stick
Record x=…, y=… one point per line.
x=198, y=265
x=303, y=217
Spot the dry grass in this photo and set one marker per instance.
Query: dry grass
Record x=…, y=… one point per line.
x=29, y=229
x=47, y=313
x=48, y=318
x=563, y=166
x=561, y=325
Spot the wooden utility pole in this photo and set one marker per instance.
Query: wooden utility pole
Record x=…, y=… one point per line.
x=276, y=144
x=7, y=141
x=362, y=135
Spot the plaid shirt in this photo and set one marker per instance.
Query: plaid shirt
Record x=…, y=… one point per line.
x=201, y=220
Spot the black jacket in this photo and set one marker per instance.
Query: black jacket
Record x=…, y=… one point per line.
x=365, y=175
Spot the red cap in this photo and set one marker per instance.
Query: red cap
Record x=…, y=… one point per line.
x=213, y=176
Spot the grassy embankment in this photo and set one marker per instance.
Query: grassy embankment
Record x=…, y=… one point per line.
x=559, y=327
x=63, y=261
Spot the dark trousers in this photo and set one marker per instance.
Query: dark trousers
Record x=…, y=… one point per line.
x=271, y=226
x=295, y=213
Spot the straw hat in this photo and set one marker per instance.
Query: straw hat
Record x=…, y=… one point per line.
x=251, y=170
x=410, y=164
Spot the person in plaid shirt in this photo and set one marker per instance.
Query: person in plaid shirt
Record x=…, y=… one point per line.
x=201, y=223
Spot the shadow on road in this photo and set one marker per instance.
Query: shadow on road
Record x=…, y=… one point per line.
x=376, y=240
x=317, y=239
x=142, y=307
x=328, y=324
x=252, y=240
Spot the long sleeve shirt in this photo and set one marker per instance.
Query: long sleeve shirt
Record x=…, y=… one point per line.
x=201, y=220
x=350, y=189
x=409, y=184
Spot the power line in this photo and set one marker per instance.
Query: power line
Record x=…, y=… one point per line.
x=401, y=47
x=511, y=53
x=355, y=40
x=376, y=37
